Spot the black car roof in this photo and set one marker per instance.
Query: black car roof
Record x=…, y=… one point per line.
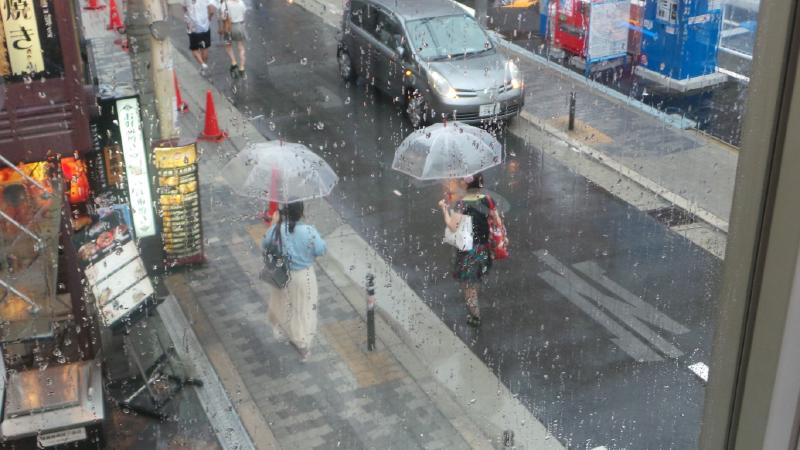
x=420, y=9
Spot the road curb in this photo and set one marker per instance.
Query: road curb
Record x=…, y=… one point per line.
x=646, y=183
x=395, y=339
x=229, y=428
x=680, y=123
x=453, y=365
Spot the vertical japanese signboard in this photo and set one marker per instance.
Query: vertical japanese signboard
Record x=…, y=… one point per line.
x=136, y=171
x=23, y=42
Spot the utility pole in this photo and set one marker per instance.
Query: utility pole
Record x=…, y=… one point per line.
x=161, y=69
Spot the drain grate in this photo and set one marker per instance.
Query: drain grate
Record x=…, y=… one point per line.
x=672, y=216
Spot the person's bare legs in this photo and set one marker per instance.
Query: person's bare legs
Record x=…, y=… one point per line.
x=198, y=57
x=229, y=51
x=240, y=45
x=204, y=55
x=471, y=299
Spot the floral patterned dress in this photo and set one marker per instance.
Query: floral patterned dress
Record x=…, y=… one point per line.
x=472, y=265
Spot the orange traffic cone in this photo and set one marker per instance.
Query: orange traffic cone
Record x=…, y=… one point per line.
x=94, y=4
x=211, y=132
x=182, y=106
x=114, y=23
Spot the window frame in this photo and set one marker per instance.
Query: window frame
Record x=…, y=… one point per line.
x=763, y=245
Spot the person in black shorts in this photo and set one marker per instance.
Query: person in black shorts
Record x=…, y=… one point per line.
x=197, y=14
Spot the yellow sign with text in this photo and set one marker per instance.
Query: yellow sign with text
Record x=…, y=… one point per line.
x=22, y=40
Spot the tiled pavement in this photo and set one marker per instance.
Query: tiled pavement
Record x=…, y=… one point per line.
x=344, y=396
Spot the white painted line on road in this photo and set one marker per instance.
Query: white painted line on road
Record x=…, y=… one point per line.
x=701, y=370
x=397, y=193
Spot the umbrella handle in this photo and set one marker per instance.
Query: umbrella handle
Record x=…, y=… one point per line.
x=273, y=205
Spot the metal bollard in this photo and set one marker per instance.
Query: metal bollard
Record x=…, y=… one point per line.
x=370, y=312
x=571, y=111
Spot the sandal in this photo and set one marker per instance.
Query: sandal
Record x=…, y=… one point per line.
x=474, y=321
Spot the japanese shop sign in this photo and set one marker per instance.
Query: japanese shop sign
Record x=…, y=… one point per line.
x=22, y=39
x=138, y=180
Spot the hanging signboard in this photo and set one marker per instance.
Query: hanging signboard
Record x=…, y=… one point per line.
x=608, y=30
x=179, y=203
x=22, y=39
x=136, y=171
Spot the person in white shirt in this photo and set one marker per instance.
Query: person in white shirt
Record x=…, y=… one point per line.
x=235, y=11
x=197, y=14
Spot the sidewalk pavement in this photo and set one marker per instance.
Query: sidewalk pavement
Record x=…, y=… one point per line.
x=422, y=387
x=681, y=166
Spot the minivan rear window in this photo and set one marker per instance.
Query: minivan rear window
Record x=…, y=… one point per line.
x=447, y=36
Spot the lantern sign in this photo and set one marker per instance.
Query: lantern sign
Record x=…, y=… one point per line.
x=22, y=40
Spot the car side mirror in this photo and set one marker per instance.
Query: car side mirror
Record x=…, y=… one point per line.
x=401, y=51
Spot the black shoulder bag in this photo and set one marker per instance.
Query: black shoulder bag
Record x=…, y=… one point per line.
x=276, y=264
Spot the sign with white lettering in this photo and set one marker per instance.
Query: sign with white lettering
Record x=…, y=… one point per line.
x=137, y=174
x=23, y=43
x=61, y=437
x=631, y=312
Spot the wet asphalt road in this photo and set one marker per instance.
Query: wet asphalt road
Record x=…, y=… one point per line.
x=554, y=331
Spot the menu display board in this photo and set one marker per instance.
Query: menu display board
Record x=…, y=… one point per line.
x=179, y=203
x=115, y=272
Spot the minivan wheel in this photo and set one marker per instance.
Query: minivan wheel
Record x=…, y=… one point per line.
x=417, y=111
x=346, y=66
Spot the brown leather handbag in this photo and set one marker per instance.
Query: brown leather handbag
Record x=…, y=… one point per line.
x=225, y=23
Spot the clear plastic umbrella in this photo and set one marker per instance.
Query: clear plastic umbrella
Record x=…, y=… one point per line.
x=447, y=150
x=280, y=172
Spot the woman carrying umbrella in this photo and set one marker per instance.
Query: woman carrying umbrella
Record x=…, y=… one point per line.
x=458, y=151
x=471, y=265
x=287, y=174
x=292, y=310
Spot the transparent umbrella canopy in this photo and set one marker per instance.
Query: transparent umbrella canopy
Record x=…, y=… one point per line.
x=447, y=150
x=280, y=172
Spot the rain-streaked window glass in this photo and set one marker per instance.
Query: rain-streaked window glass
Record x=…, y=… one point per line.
x=320, y=224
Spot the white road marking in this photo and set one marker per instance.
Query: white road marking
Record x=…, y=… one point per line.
x=625, y=306
x=700, y=369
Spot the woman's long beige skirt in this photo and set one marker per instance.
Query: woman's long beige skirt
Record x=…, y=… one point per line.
x=293, y=309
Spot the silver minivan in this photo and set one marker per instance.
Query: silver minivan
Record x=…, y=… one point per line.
x=433, y=57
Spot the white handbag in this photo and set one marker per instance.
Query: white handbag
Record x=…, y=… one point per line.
x=462, y=237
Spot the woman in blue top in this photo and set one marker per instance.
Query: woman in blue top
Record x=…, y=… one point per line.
x=292, y=311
